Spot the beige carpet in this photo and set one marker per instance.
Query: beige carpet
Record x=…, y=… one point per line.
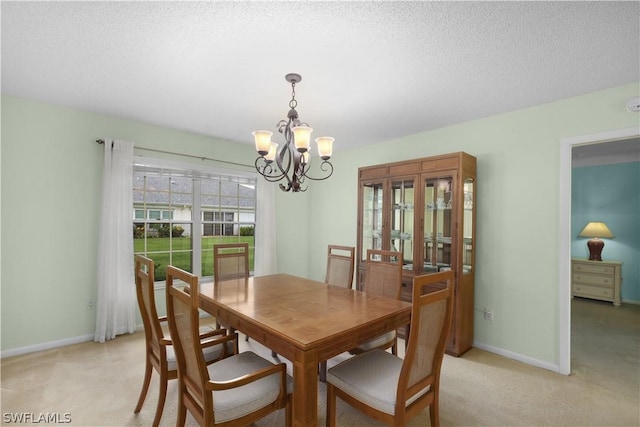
x=98, y=384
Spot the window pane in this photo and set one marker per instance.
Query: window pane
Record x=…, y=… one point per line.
x=155, y=183
x=181, y=234
x=138, y=196
x=181, y=191
x=229, y=188
x=138, y=182
x=156, y=198
x=182, y=260
x=160, y=261
x=210, y=186
x=247, y=191
x=208, y=200
x=207, y=257
x=229, y=201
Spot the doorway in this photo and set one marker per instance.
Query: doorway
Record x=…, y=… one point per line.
x=564, y=304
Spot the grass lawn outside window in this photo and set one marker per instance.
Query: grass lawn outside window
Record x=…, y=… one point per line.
x=177, y=251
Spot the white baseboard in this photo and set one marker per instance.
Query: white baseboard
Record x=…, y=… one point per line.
x=51, y=344
x=519, y=357
x=45, y=346
x=59, y=343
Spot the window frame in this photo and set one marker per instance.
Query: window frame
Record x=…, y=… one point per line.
x=231, y=216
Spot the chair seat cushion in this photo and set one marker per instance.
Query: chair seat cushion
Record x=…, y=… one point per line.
x=371, y=378
x=210, y=353
x=377, y=342
x=237, y=402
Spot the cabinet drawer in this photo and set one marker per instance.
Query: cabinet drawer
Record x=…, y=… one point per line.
x=593, y=279
x=592, y=291
x=590, y=268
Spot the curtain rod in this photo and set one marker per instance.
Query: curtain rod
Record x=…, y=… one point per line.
x=101, y=141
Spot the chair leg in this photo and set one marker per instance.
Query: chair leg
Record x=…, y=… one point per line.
x=145, y=386
x=434, y=413
x=162, y=397
x=394, y=347
x=322, y=368
x=288, y=416
x=181, y=418
x=331, y=406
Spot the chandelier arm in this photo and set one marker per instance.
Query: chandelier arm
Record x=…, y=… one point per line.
x=286, y=151
x=324, y=166
x=266, y=170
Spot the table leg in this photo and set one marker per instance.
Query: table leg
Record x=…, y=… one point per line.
x=305, y=391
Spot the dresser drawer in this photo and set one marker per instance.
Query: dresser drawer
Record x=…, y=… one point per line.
x=593, y=279
x=590, y=268
x=592, y=291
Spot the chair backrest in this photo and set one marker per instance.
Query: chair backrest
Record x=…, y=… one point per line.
x=184, y=324
x=144, y=270
x=430, y=323
x=383, y=273
x=230, y=261
x=340, y=261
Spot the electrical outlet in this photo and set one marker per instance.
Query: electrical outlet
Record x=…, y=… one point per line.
x=488, y=314
x=90, y=304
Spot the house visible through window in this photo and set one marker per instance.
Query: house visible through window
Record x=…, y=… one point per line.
x=178, y=215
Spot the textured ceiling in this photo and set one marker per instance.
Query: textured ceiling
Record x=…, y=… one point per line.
x=371, y=71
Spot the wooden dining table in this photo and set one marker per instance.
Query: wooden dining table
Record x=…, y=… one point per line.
x=304, y=321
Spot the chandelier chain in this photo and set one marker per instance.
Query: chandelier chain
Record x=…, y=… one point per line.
x=293, y=103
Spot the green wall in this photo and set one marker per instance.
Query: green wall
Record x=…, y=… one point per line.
x=51, y=195
x=610, y=193
x=51, y=171
x=517, y=196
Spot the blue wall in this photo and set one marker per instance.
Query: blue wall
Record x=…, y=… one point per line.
x=610, y=193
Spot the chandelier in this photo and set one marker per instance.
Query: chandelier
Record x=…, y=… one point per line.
x=293, y=159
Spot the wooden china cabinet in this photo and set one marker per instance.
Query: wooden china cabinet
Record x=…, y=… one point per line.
x=425, y=209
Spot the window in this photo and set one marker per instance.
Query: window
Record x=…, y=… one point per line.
x=179, y=214
x=218, y=223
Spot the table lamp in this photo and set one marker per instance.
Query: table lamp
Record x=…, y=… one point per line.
x=596, y=230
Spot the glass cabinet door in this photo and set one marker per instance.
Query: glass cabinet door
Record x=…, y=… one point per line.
x=372, y=230
x=438, y=224
x=467, y=227
x=402, y=219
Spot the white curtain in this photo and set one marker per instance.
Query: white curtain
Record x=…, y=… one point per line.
x=116, y=298
x=265, y=260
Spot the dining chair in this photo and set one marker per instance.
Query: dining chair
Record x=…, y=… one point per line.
x=230, y=261
x=235, y=391
x=383, y=277
x=340, y=260
x=160, y=354
x=390, y=389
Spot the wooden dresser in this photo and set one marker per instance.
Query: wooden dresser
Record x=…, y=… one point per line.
x=596, y=279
